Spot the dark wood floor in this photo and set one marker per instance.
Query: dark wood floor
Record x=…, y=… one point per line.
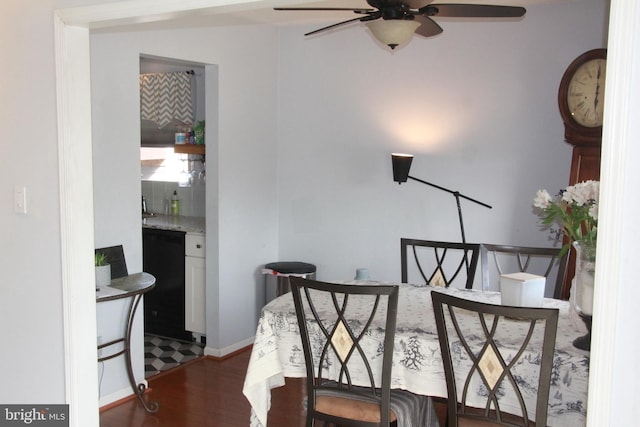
x=207, y=393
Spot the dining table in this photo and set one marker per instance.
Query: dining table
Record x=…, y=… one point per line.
x=417, y=362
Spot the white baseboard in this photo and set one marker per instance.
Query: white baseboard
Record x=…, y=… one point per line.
x=221, y=352
x=118, y=395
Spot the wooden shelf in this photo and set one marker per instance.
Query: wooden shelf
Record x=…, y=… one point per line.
x=189, y=149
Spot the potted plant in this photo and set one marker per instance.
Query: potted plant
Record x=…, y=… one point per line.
x=103, y=270
x=575, y=209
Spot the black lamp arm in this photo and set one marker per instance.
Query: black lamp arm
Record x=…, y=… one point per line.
x=455, y=193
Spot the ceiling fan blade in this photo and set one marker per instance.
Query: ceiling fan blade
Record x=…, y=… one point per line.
x=473, y=11
x=350, y=9
x=428, y=26
x=328, y=27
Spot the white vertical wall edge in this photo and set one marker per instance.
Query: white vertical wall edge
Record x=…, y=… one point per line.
x=72, y=52
x=76, y=221
x=610, y=396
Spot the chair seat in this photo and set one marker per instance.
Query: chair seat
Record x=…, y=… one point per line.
x=408, y=409
x=351, y=409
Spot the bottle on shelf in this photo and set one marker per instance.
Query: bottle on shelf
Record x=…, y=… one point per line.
x=199, y=132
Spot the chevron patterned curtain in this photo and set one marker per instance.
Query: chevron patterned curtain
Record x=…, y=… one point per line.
x=165, y=97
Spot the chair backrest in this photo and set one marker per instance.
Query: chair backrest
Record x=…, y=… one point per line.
x=505, y=259
x=497, y=360
x=439, y=263
x=336, y=322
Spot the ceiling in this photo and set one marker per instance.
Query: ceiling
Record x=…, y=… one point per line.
x=261, y=12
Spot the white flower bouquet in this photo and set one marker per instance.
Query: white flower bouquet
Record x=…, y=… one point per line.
x=574, y=208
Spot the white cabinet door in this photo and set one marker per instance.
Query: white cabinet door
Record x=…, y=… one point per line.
x=194, y=294
x=195, y=283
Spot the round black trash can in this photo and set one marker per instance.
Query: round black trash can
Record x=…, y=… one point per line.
x=278, y=276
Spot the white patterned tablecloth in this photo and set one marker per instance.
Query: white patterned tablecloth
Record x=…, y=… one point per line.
x=417, y=363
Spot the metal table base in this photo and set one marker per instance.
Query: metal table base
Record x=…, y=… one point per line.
x=132, y=286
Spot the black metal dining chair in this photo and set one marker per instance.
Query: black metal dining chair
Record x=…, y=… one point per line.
x=336, y=323
x=490, y=347
x=439, y=263
x=504, y=259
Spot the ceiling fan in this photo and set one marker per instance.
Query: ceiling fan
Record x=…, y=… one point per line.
x=393, y=22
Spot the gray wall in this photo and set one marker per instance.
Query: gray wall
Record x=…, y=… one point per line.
x=476, y=105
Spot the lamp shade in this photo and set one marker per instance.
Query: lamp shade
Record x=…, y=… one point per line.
x=401, y=165
x=393, y=32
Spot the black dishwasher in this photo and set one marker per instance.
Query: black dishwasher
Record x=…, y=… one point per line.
x=163, y=257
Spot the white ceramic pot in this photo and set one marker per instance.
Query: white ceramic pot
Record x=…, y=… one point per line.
x=103, y=275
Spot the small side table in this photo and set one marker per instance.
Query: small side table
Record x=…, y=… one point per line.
x=132, y=286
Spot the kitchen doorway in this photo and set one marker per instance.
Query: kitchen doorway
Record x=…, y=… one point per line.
x=173, y=189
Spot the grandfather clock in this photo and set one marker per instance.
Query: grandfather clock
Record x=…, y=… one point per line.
x=581, y=102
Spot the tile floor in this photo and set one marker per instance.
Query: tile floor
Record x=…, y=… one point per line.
x=161, y=354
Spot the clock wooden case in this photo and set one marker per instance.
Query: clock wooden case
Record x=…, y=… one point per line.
x=581, y=101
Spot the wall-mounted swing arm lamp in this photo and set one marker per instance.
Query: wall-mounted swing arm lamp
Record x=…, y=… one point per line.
x=402, y=164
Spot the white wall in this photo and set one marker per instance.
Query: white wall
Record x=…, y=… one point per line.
x=241, y=175
x=116, y=191
x=30, y=256
x=476, y=105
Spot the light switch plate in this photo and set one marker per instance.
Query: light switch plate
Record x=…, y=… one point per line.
x=20, y=199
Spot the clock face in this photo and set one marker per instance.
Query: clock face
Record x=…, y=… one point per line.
x=585, y=95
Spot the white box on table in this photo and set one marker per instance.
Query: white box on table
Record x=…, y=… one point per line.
x=522, y=289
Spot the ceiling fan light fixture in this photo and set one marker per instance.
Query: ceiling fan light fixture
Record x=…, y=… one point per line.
x=393, y=32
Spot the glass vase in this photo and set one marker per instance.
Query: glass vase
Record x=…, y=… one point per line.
x=583, y=288
x=584, y=277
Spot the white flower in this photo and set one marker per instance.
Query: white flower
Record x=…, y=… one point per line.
x=583, y=193
x=542, y=200
x=574, y=208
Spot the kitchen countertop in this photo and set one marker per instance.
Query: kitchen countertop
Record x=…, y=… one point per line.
x=188, y=224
